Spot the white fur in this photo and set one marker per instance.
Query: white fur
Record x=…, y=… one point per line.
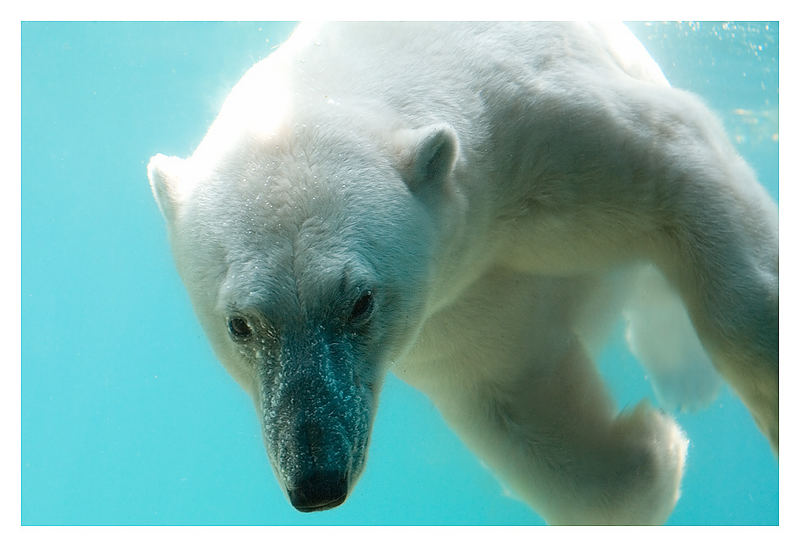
x=507, y=190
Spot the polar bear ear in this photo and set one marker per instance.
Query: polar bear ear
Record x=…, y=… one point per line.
x=164, y=174
x=428, y=156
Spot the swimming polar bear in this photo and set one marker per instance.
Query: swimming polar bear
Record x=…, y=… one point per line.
x=470, y=206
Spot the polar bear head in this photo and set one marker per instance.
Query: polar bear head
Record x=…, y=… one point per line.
x=308, y=257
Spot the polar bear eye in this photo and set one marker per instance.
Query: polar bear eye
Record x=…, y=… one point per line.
x=362, y=309
x=239, y=327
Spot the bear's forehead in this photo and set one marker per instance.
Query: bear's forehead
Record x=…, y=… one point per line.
x=304, y=163
x=275, y=208
x=274, y=212
x=310, y=184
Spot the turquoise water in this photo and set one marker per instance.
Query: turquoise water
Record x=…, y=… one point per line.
x=126, y=416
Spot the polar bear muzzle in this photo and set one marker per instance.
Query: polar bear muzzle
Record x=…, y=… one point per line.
x=316, y=415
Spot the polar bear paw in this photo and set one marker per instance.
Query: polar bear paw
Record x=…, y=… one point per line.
x=655, y=453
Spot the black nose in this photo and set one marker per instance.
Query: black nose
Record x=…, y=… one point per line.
x=319, y=491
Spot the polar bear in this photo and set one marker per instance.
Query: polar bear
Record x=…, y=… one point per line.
x=470, y=206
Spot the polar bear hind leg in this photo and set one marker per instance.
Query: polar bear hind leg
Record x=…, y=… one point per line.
x=661, y=336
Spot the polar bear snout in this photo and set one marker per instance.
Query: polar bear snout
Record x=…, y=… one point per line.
x=319, y=469
x=316, y=416
x=319, y=490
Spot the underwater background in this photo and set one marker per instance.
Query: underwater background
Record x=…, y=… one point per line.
x=127, y=418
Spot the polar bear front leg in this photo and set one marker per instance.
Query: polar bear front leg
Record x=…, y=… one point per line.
x=717, y=243
x=727, y=274
x=649, y=175
x=554, y=439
